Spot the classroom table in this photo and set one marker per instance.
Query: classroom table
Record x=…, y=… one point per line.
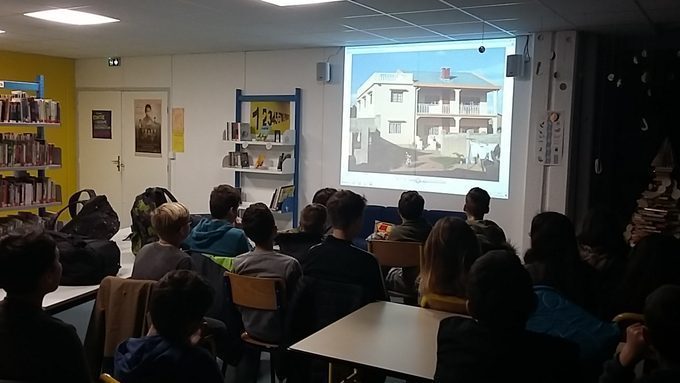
x=66, y=297
x=397, y=339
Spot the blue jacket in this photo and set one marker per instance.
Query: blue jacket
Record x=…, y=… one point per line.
x=557, y=316
x=217, y=237
x=153, y=359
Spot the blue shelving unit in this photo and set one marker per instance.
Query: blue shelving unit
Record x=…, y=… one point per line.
x=37, y=86
x=296, y=99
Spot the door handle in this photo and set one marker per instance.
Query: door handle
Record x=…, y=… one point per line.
x=118, y=163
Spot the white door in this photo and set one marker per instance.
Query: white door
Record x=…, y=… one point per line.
x=98, y=157
x=121, y=167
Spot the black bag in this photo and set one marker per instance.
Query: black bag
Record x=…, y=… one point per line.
x=86, y=261
x=145, y=203
x=96, y=219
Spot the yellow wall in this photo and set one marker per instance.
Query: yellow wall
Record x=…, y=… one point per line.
x=59, y=85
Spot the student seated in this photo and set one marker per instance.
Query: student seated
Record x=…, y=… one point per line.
x=562, y=283
x=34, y=347
x=218, y=236
x=171, y=222
x=413, y=228
x=258, y=223
x=553, y=259
x=297, y=242
x=493, y=345
x=321, y=197
x=336, y=259
x=169, y=352
x=490, y=235
x=659, y=336
x=449, y=252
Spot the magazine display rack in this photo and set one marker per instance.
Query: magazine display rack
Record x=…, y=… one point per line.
x=277, y=156
x=24, y=152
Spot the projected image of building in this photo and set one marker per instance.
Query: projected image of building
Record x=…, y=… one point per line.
x=436, y=123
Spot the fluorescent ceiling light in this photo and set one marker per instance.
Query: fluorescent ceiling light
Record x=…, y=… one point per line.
x=68, y=16
x=286, y=3
x=1, y=31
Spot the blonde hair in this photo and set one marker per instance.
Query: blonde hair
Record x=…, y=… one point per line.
x=169, y=218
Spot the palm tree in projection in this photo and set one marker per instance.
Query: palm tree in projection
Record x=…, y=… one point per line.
x=657, y=208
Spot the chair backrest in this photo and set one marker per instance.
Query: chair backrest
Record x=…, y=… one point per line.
x=396, y=253
x=106, y=378
x=256, y=293
x=449, y=304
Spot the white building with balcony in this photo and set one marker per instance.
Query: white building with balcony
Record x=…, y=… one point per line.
x=416, y=109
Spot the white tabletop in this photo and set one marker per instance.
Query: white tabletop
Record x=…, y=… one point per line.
x=391, y=337
x=65, y=294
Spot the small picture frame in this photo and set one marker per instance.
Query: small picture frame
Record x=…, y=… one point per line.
x=277, y=136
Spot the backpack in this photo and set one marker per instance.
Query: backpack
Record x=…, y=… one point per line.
x=145, y=203
x=85, y=261
x=96, y=219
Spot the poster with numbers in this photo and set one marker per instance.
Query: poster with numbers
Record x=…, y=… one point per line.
x=274, y=115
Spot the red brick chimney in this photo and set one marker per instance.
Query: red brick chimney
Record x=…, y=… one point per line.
x=445, y=73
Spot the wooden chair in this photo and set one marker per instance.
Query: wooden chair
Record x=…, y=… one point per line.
x=397, y=254
x=106, y=378
x=449, y=304
x=267, y=294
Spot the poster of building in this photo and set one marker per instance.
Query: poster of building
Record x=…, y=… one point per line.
x=148, y=127
x=101, y=124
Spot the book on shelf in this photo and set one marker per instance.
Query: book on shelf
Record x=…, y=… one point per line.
x=280, y=195
x=18, y=107
x=245, y=161
x=244, y=131
x=26, y=190
x=25, y=149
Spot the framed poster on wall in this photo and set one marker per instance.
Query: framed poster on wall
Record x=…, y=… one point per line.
x=101, y=124
x=148, y=127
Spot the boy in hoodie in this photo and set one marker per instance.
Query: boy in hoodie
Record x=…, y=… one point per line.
x=219, y=236
x=168, y=354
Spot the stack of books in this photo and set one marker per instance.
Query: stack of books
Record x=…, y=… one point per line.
x=25, y=150
x=22, y=219
x=280, y=195
x=18, y=107
x=657, y=210
x=26, y=190
x=238, y=131
x=239, y=160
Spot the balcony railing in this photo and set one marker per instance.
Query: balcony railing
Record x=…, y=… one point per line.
x=472, y=109
x=434, y=108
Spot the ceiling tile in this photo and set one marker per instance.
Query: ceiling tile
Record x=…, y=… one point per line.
x=455, y=28
x=397, y=33
x=484, y=3
x=373, y=22
x=392, y=6
x=436, y=17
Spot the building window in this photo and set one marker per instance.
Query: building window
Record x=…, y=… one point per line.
x=397, y=96
x=434, y=131
x=395, y=127
x=370, y=98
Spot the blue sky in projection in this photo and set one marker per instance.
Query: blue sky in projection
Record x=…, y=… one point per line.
x=490, y=65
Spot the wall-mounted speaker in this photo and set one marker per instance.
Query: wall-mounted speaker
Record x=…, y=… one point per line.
x=323, y=71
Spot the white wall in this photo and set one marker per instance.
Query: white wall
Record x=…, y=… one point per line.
x=205, y=86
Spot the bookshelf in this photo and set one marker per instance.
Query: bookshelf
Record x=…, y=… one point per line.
x=280, y=172
x=36, y=87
